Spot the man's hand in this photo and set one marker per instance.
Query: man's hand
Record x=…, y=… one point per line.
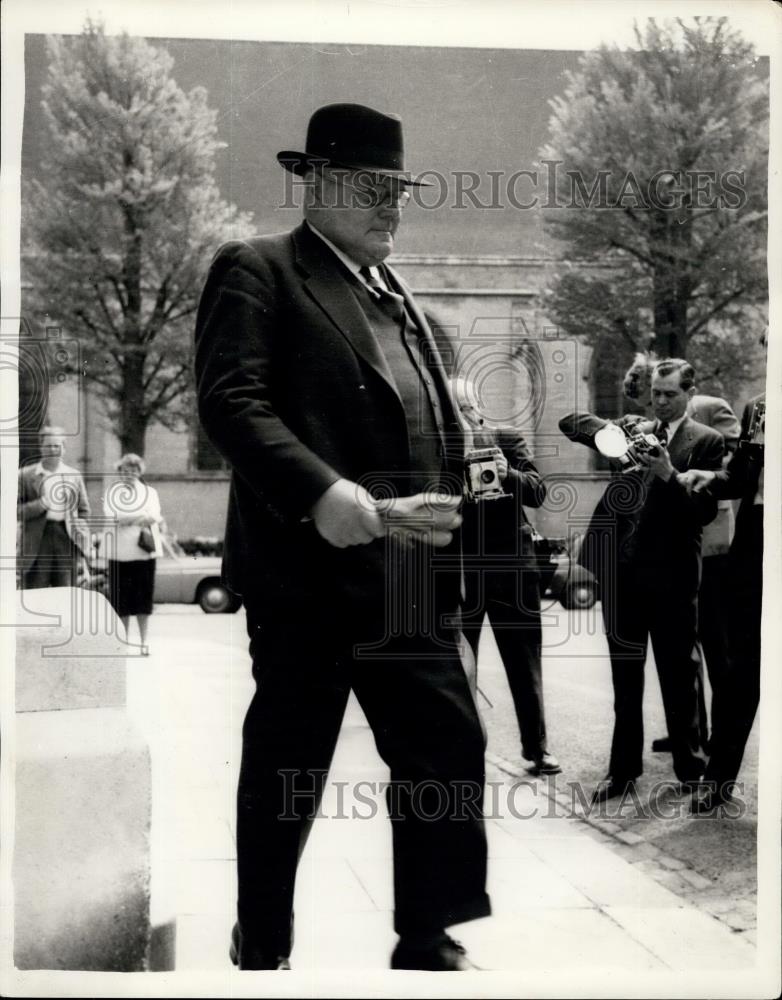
x=502, y=467
x=660, y=463
x=695, y=480
x=426, y=517
x=346, y=514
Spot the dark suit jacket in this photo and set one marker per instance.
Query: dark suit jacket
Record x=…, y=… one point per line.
x=500, y=527
x=740, y=478
x=31, y=512
x=295, y=392
x=643, y=522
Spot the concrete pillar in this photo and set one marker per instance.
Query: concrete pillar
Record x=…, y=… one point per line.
x=81, y=855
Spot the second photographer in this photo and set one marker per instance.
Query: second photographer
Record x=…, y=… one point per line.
x=499, y=568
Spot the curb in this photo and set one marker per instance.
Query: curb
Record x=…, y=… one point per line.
x=675, y=875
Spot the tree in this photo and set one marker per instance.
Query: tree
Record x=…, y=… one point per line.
x=120, y=227
x=659, y=161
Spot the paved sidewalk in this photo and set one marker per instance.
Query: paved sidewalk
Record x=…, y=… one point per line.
x=564, y=902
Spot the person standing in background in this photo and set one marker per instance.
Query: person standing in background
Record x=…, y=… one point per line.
x=134, y=508
x=51, y=507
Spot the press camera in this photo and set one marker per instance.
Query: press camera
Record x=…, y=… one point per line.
x=756, y=432
x=626, y=445
x=481, y=475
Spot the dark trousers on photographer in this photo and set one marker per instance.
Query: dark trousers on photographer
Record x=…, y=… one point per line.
x=712, y=632
x=639, y=607
x=736, y=700
x=512, y=602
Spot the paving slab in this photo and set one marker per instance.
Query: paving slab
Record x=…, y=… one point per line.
x=563, y=900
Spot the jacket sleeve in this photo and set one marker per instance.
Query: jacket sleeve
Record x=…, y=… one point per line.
x=237, y=329
x=26, y=507
x=581, y=427
x=724, y=420
x=734, y=480
x=707, y=454
x=526, y=481
x=83, y=503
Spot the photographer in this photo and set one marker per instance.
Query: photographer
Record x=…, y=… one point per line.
x=736, y=700
x=500, y=576
x=713, y=411
x=643, y=544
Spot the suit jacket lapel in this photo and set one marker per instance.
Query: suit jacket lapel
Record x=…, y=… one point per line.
x=680, y=445
x=328, y=286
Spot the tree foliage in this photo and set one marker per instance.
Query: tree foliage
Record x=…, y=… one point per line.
x=119, y=230
x=661, y=160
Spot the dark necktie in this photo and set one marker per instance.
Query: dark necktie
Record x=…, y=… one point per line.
x=662, y=433
x=393, y=305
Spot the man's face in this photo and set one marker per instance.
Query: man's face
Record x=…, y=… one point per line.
x=52, y=446
x=669, y=400
x=358, y=211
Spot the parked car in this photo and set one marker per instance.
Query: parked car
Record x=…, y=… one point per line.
x=184, y=579
x=179, y=579
x=564, y=580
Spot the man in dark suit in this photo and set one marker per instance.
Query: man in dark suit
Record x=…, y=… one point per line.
x=501, y=580
x=715, y=412
x=643, y=544
x=320, y=382
x=52, y=504
x=736, y=700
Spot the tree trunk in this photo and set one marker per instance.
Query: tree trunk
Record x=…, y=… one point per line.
x=133, y=420
x=671, y=282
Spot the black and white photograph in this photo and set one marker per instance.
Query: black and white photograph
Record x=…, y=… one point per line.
x=387, y=582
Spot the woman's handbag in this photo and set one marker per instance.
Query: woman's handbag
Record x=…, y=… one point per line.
x=146, y=540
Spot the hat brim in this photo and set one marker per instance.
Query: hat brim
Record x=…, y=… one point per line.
x=298, y=163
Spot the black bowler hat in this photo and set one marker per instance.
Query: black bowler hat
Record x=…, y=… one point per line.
x=352, y=136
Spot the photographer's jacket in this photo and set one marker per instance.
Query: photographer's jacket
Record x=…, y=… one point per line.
x=499, y=528
x=642, y=521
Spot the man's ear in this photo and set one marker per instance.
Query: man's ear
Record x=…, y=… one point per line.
x=691, y=391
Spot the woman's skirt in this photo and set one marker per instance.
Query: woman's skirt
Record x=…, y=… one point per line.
x=130, y=586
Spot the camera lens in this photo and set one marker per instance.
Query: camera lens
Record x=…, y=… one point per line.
x=487, y=476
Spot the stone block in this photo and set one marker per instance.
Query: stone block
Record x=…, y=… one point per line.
x=70, y=651
x=81, y=859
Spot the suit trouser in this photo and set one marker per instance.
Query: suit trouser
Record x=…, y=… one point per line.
x=55, y=563
x=636, y=608
x=512, y=603
x=426, y=729
x=712, y=632
x=736, y=700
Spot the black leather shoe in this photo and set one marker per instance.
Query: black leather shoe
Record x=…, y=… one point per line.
x=663, y=745
x=707, y=797
x=546, y=763
x=444, y=955
x=247, y=956
x=610, y=788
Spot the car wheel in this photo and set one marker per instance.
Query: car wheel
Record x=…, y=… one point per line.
x=216, y=599
x=579, y=596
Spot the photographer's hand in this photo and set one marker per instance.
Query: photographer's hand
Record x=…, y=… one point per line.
x=696, y=480
x=502, y=467
x=660, y=463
